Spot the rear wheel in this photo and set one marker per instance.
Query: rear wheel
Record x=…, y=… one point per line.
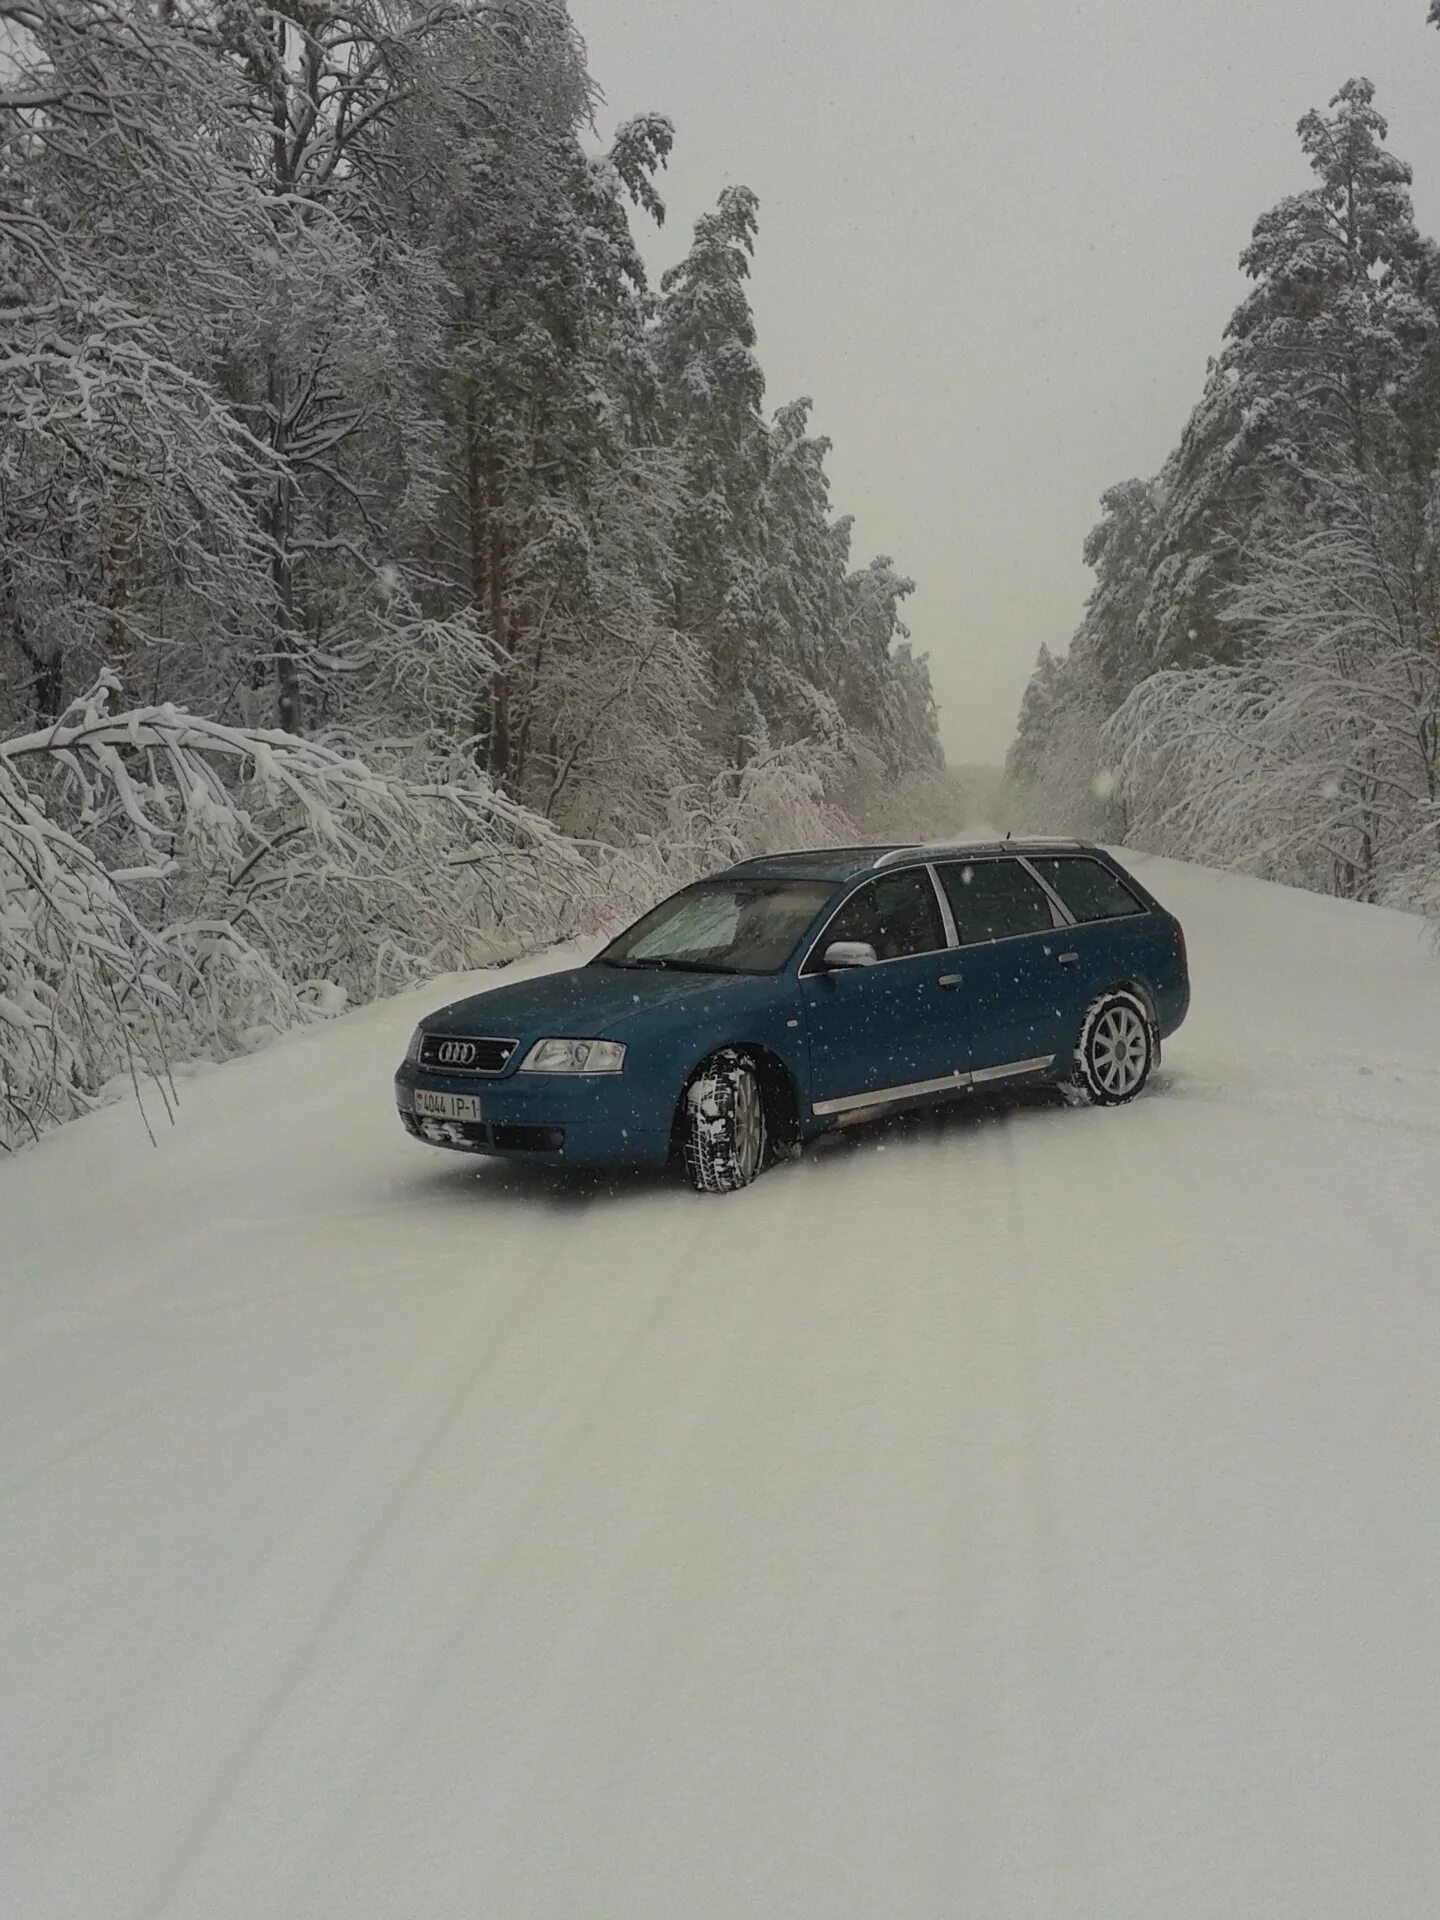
x=1116, y=1050
x=724, y=1126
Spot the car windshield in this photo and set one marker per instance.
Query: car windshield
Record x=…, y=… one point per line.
x=722, y=926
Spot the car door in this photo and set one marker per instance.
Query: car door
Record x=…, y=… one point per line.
x=1016, y=983
x=890, y=1030
x=1115, y=936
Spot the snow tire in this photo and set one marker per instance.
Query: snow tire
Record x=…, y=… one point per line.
x=725, y=1127
x=1117, y=1048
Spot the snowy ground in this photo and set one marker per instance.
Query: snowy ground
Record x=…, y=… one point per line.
x=1009, y=1515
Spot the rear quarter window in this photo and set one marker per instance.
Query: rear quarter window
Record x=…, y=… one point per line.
x=1091, y=891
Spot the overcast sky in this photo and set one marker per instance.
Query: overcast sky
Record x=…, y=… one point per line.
x=998, y=242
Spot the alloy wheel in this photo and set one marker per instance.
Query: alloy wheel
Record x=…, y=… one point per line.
x=749, y=1123
x=1120, y=1050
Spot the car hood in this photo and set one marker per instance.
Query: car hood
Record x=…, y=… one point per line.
x=584, y=1002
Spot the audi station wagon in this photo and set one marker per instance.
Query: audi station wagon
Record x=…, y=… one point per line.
x=800, y=992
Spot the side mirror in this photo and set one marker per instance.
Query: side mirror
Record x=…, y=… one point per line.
x=848, y=953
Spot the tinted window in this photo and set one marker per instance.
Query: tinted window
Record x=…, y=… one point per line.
x=1090, y=891
x=994, y=899
x=897, y=914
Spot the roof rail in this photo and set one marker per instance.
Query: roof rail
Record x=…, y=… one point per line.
x=936, y=849
x=799, y=853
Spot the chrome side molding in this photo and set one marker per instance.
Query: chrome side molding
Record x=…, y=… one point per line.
x=956, y=1082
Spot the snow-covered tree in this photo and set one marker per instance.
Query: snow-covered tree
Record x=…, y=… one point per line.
x=1057, y=773
x=1328, y=364
x=172, y=886
x=126, y=482
x=713, y=388
x=1316, y=760
x=555, y=499
x=801, y=589
x=886, y=703
x=1255, y=677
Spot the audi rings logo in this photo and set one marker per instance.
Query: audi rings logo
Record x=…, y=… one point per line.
x=457, y=1053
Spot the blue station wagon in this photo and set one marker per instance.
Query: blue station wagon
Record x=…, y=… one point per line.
x=804, y=991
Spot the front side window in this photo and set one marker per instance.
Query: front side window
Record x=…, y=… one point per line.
x=1089, y=890
x=897, y=914
x=722, y=926
x=994, y=900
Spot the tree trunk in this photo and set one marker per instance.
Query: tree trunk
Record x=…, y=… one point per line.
x=282, y=501
x=482, y=724
x=500, y=745
x=117, y=563
x=47, y=669
x=289, y=710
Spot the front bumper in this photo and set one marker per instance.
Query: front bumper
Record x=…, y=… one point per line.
x=581, y=1120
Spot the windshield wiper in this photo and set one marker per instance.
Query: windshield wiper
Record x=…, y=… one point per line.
x=665, y=963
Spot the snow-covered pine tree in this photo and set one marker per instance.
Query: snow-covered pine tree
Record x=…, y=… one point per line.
x=712, y=389
x=1319, y=372
x=802, y=586
x=555, y=497
x=871, y=633
x=1282, y=564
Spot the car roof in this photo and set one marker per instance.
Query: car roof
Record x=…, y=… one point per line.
x=847, y=863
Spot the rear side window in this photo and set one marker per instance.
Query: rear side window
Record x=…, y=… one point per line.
x=898, y=914
x=1090, y=891
x=995, y=900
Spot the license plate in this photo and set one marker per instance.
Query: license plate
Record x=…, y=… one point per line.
x=446, y=1106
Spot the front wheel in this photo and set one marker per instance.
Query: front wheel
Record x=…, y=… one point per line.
x=725, y=1135
x=1116, y=1050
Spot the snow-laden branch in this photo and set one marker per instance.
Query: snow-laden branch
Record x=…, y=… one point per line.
x=1317, y=759
x=173, y=886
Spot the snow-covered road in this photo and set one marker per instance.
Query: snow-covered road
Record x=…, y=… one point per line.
x=1016, y=1515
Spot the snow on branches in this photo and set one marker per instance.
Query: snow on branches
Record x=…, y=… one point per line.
x=1316, y=759
x=171, y=887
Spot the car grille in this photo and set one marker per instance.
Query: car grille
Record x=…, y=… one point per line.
x=464, y=1053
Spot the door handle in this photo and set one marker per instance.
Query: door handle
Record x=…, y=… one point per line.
x=949, y=980
x=1069, y=959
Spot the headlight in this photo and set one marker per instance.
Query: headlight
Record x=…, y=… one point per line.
x=412, y=1052
x=574, y=1056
